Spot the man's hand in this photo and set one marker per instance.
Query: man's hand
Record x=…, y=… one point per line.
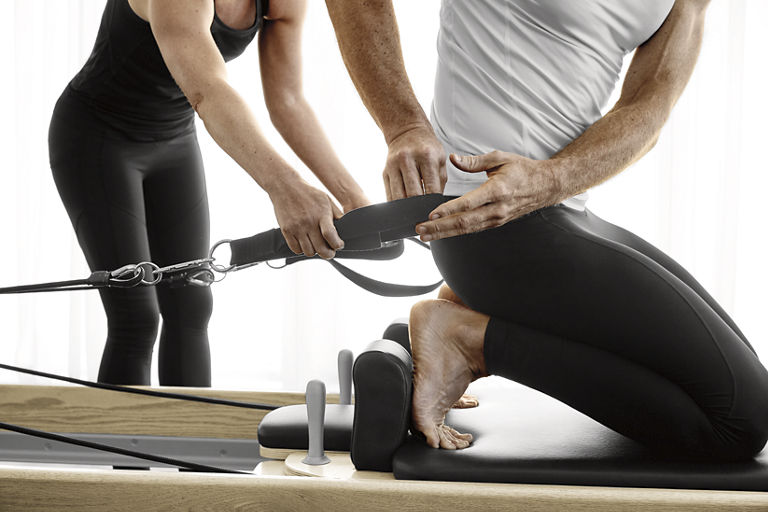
x=415, y=164
x=516, y=185
x=305, y=216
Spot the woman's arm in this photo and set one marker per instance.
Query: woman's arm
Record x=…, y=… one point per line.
x=280, y=60
x=517, y=185
x=182, y=32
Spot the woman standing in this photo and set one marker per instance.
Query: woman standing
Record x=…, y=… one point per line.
x=127, y=165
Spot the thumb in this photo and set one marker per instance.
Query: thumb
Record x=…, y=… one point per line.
x=479, y=163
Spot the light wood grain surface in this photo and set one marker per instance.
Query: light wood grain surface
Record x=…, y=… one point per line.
x=43, y=490
x=73, y=409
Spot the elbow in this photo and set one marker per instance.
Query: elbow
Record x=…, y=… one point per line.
x=201, y=96
x=196, y=99
x=284, y=108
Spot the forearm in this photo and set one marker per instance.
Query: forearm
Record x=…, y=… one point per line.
x=230, y=122
x=370, y=46
x=606, y=148
x=659, y=72
x=299, y=127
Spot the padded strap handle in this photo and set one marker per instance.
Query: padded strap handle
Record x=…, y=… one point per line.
x=373, y=233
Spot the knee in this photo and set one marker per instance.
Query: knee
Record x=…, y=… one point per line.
x=188, y=306
x=132, y=316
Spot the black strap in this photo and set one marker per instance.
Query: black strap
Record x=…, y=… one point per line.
x=98, y=279
x=374, y=232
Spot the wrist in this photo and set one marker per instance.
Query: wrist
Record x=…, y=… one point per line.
x=553, y=186
x=414, y=125
x=281, y=183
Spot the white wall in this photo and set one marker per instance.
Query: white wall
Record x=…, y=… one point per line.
x=697, y=195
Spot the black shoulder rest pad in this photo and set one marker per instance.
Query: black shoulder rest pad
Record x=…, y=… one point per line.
x=382, y=375
x=364, y=229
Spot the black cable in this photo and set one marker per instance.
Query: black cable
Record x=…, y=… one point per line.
x=194, y=466
x=137, y=391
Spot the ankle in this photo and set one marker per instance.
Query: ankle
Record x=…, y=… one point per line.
x=472, y=338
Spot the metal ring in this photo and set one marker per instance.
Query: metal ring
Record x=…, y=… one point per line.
x=223, y=269
x=156, y=273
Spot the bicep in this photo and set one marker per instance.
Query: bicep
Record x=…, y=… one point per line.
x=182, y=31
x=280, y=55
x=662, y=66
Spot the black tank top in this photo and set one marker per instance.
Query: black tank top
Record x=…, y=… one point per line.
x=126, y=84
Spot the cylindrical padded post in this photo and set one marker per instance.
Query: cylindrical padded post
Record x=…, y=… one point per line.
x=345, y=377
x=315, y=397
x=382, y=375
x=398, y=331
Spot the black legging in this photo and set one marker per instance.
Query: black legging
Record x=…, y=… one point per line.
x=129, y=202
x=596, y=317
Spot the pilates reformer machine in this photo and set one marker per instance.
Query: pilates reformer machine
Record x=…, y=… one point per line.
x=291, y=451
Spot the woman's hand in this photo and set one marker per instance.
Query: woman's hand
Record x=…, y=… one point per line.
x=516, y=185
x=305, y=215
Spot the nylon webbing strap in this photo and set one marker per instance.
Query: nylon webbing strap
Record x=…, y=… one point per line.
x=374, y=233
x=364, y=229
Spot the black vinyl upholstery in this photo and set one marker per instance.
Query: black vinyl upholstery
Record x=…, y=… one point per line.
x=523, y=436
x=286, y=427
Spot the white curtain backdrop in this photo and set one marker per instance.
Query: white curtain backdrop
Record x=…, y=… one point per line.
x=699, y=196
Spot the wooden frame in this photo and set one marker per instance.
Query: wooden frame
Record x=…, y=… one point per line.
x=73, y=409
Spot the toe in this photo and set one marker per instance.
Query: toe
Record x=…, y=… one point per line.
x=447, y=441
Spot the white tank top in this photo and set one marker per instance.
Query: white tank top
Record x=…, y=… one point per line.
x=529, y=76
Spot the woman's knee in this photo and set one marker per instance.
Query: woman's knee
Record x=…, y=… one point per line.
x=132, y=314
x=187, y=306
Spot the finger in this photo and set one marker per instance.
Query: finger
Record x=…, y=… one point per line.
x=432, y=172
x=306, y=246
x=474, y=199
x=293, y=244
x=411, y=178
x=323, y=249
x=335, y=210
x=462, y=223
x=328, y=230
x=458, y=231
x=479, y=163
x=396, y=185
x=387, y=188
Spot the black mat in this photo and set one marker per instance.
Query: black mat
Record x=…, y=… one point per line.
x=522, y=436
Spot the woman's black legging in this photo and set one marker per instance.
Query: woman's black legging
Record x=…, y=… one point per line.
x=129, y=202
x=601, y=320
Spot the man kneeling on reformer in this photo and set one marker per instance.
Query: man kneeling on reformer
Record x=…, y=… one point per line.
x=542, y=291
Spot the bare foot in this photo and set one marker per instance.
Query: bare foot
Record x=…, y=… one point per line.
x=447, y=344
x=466, y=401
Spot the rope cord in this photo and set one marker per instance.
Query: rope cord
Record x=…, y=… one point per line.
x=138, y=391
x=193, y=466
